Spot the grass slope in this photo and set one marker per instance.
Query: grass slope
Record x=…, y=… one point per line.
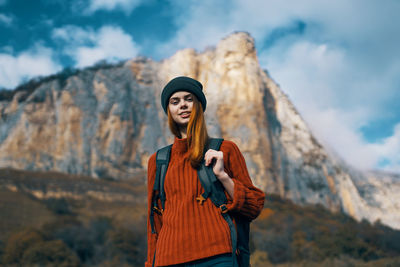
x=87, y=229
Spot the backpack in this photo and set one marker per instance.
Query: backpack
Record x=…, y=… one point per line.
x=213, y=189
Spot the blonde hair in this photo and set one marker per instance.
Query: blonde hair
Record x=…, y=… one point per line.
x=197, y=136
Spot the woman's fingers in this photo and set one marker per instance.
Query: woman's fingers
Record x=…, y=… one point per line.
x=209, y=156
x=212, y=154
x=218, y=167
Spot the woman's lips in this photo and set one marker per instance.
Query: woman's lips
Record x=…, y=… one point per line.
x=185, y=114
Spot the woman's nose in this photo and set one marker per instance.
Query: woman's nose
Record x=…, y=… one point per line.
x=183, y=104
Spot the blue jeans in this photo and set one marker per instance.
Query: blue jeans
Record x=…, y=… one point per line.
x=223, y=260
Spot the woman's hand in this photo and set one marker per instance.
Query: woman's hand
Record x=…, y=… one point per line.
x=216, y=157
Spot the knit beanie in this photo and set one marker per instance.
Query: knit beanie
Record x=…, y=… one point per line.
x=183, y=83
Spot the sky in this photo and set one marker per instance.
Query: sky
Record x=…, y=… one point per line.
x=338, y=61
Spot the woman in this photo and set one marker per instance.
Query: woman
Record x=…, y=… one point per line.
x=190, y=233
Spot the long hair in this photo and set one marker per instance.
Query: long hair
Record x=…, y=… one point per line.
x=197, y=136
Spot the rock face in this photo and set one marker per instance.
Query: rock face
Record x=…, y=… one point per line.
x=106, y=122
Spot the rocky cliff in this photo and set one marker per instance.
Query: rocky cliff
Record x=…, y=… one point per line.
x=106, y=121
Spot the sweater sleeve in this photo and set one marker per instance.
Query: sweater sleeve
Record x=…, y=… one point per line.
x=247, y=200
x=151, y=237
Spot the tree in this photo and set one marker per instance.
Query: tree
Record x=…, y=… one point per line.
x=18, y=243
x=54, y=253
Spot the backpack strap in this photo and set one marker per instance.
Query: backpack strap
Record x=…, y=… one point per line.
x=214, y=189
x=208, y=179
x=162, y=160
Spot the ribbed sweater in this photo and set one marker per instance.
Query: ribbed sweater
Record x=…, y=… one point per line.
x=188, y=231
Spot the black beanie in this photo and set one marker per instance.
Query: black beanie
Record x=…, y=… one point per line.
x=183, y=83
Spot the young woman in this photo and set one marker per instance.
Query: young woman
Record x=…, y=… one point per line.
x=190, y=233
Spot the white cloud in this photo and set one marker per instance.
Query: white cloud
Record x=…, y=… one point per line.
x=388, y=150
x=27, y=64
x=125, y=5
x=367, y=28
x=322, y=82
x=308, y=71
x=6, y=19
x=199, y=26
x=87, y=46
x=337, y=130
x=325, y=75
x=74, y=35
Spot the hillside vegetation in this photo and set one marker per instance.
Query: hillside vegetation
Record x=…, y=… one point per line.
x=90, y=231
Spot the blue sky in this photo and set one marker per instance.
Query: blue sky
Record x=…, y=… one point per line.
x=338, y=61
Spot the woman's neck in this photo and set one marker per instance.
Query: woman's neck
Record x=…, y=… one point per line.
x=183, y=132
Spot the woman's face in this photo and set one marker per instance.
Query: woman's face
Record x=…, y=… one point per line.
x=180, y=107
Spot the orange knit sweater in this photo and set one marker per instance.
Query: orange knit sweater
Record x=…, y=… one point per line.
x=189, y=231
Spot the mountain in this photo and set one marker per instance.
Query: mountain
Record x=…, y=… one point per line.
x=105, y=121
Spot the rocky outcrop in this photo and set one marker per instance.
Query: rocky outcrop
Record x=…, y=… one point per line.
x=99, y=122
x=106, y=121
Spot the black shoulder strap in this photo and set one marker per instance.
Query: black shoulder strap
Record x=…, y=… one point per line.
x=212, y=186
x=215, y=191
x=162, y=160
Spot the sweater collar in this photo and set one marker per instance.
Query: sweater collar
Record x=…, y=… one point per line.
x=180, y=145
